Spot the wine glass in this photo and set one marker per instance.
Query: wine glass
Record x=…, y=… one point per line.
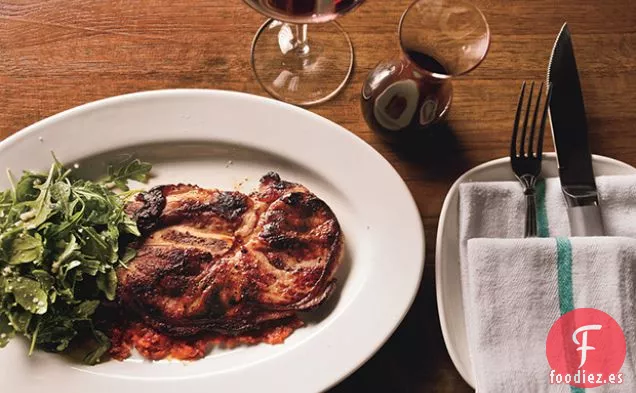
x=301, y=55
x=439, y=40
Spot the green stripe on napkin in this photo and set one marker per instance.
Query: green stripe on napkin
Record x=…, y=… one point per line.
x=564, y=273
x=542, y=214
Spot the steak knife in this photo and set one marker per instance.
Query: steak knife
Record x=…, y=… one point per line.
x=569, y=132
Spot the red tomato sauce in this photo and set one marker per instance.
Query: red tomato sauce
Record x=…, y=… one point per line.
x=154, y=345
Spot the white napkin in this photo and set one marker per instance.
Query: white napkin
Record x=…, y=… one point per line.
x=510, y=286
x=513, y=300
x=497, y=209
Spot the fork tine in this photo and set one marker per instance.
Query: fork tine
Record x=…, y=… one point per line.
x=534, y=122
x=515, y=128
x=546, y=104
x=522, y=151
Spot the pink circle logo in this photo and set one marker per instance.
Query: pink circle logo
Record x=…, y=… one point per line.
x=586, y=348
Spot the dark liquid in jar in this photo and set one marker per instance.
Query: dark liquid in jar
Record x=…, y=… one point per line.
x=426, y=62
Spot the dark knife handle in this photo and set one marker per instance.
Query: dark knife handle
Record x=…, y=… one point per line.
x=585, y=221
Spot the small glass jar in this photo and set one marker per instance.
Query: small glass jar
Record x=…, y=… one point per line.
x=439, y=40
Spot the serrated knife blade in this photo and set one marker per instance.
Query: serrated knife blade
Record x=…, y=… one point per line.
x=570, y=135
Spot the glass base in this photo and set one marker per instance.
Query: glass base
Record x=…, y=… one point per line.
x=302, y=74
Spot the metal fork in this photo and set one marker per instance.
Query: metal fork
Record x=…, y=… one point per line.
x=527, y=164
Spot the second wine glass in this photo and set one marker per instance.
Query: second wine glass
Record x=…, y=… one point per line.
x=301, y=55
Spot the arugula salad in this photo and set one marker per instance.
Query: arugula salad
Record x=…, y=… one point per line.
x=61, y=239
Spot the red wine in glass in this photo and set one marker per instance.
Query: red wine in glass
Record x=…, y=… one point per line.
x=406, y=95
x=305, y=11
x=301, y=55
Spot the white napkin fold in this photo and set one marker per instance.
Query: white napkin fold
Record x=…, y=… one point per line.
x=497, y=209
x=510, y=289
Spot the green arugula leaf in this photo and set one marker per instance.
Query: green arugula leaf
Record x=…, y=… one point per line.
x=55, y=332
x=131, y=170
x=66, y=268
x=46, y=281
x=130, y=226
x=129, y=254
x=29, y=294
x=41, y=207
x=70, y=249
x=61, y=194
x=102, y=345
x=86, y=309
x=6, y=198
x=107, y=283
x=95, y=245
x=26, y=249
x=73, y=220
x=6, y=331
x=25, y=188
x=20, y=319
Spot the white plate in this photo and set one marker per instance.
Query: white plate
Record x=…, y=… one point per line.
x=447, y=268
x=229, y=140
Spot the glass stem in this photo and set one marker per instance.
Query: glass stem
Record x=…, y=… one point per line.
x=302, y=42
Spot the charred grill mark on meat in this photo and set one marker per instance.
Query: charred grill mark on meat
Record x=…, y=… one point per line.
x=147, y=208
x=217, y=261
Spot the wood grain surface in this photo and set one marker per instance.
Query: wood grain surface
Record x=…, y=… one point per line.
x=58, y=54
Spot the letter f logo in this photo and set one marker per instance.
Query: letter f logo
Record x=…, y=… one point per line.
x=583, y=344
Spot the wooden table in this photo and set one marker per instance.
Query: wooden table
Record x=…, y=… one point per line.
x=58, y=54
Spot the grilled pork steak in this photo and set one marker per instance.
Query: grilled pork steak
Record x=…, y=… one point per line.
x=220, y=261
